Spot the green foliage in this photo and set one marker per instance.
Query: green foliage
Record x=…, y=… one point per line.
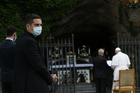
x=13, y=12
x=9, y=16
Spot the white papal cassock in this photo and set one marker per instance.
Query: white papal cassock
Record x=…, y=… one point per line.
x=120, y=61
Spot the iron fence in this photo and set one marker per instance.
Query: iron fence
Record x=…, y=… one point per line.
x=60, y=60
x=131, y=46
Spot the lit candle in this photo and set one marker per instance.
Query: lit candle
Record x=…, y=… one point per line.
x=49, y=52
x=89, y=51
x=78, y=51
x=61, y=52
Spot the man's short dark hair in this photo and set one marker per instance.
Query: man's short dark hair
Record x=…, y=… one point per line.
x=29, y=18
x=10, y=30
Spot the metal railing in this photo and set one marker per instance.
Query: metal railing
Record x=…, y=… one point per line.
x=57, y=52
x=131, y=46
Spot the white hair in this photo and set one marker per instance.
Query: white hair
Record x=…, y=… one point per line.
x=100, y=51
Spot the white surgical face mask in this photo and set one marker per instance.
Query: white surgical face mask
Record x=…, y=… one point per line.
x=37, y=31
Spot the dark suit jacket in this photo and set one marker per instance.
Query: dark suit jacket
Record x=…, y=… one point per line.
x=7, y=54
x=31, y=74
x=100, y=67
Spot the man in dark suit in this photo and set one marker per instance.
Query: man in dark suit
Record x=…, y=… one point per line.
x=31, y=74
x=7, y=54
x=100, y=74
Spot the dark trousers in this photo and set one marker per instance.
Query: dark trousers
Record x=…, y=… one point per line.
x=100, y=85
x=7, y=87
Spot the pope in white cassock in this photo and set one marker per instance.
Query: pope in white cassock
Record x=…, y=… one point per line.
x=120, y=61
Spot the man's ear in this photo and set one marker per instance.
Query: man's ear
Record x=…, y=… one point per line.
x=15, y=34
x=28, y=27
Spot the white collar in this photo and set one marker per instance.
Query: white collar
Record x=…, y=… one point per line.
x=7, y=38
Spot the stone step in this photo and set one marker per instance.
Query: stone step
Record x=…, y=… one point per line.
x=85, y=92
x=85, y=85
x=80, y=88
x=85, y=88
